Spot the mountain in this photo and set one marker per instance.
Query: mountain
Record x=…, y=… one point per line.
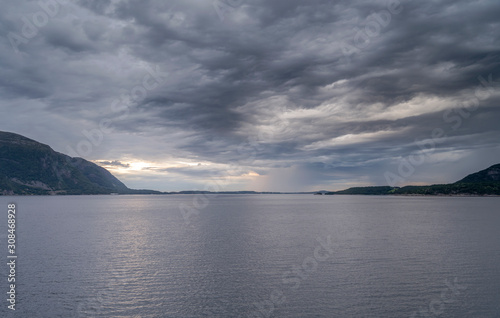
x=29, y=167
x=490, y=175
x=484, y=182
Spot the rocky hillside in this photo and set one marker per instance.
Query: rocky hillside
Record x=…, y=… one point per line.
x=29, y=167
x=490, y=175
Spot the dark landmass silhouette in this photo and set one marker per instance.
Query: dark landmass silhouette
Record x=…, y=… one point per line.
x=28, y=167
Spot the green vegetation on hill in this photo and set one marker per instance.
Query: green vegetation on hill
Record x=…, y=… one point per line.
x=28, y=167
x=365, y=190
x=453, y=189
x=484, y=182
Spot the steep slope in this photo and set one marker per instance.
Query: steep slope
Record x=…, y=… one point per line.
x=29, y=167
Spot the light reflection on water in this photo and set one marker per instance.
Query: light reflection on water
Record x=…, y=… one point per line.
x=134, y=256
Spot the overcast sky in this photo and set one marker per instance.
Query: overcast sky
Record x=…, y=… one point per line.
x=275, y=95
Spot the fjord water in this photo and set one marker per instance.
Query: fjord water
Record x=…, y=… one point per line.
x=255, y=256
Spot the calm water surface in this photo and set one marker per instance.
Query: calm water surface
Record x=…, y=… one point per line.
x=254, y=256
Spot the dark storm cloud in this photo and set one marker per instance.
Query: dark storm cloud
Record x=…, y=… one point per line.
x=338, y=87
x=113, y=163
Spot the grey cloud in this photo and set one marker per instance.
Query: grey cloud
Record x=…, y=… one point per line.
x=116, y=163
x=233, y=79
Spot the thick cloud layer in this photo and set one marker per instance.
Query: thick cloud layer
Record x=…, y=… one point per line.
x=263, y=95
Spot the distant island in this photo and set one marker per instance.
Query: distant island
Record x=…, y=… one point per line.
x=28, y=167
x=484, y=182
